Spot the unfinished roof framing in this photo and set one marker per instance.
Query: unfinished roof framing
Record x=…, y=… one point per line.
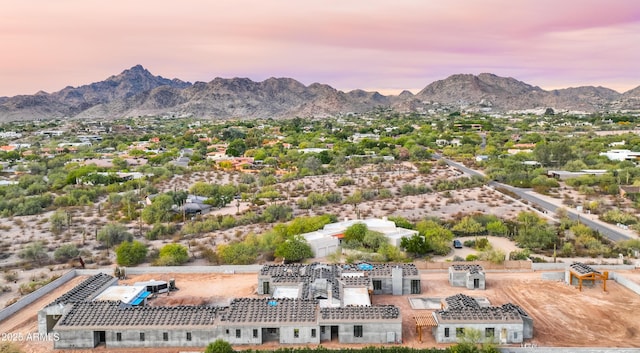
x=582, y=272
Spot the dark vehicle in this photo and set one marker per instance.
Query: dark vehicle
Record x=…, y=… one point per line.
x=457, y=244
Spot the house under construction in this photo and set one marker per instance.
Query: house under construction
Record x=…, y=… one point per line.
x=80, y=321
x=504, y=324
x=470, y=276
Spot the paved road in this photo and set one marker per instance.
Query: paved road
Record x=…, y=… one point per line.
x=606, y=230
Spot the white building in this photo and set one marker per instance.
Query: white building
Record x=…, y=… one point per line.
x=10, y=135
x=327, y=240
x=621, y=155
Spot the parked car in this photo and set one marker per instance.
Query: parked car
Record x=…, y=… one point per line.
x=457, y=244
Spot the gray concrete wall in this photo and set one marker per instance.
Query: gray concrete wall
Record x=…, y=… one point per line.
x=371, y=332
x=155, y=338
x=633, y=286
x=553, y=276
x=75, y=339
x=287, y=334
x=406, y=285
x=178, y=269
x=551, y=266
x=35, y=295
x=515, y=332
x=261, y=281
x=457, y=279
x=470, y=277
x=396, y=280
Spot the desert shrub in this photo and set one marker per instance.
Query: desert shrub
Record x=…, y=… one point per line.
x=237, y=253
x=495, y=256
x=385, y=194
x=567, y=250
x=160, y=230
x=66, y=252
x=11, y=276
x=471, y=257
x=277, y=213
x=172, y=255
x=32, y=286
x=617, y=216
x=333, y=197
x=345, y=181
x=520, y=255
x=131, y=253
x=482, y=243
x=219, y=346
x=304, y=204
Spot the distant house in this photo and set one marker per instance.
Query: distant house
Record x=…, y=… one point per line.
x=327, y=240
x=630, y=192
x=521, y=148
x=357, y=137
x=312, y=150
x=621, y=155
x=182, y=161
x=564, y=175
x=195, y=205
x=10, y=135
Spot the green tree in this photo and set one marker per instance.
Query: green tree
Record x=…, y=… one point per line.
x=437, y=237
x=237, y=253
x=402, y=222
x=173, y=255
x=66, y=252
x=159, y=210
x=294, y=249
x=277, y=213
x=373, y=240
x=540, y=237
x=236, y=148
x=113, y=234
x=415, y=245
x=355, y=233
x=219, y=346
x=468, y=226
x=130, y=253
x=497, y=228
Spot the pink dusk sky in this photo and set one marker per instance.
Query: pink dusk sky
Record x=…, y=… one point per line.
x=370, y=44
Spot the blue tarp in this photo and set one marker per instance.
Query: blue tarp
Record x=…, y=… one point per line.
x=365, y=267
x=140, y=298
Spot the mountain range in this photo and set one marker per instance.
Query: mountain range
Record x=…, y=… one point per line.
x=136, y=92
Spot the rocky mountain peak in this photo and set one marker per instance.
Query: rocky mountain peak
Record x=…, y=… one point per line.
x=136, y=91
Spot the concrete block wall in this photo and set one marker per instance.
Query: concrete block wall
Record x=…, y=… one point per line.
x=515, y=333
x=371, y=332
x=288, y=336
x=635, y=287
x=31, y=297
x=75, y=339
x=457, y=279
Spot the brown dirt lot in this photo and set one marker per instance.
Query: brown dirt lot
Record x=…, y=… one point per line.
x=563, y=316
